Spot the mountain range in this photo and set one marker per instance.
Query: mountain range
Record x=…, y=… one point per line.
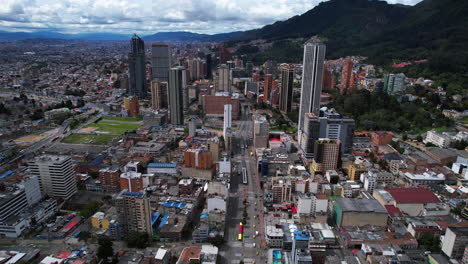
x=432, y=29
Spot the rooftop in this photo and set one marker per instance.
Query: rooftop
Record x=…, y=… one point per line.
x=442, y=153
x=360, y=205
x=413, y=195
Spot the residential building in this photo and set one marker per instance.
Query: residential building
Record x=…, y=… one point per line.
x=132, y=105
x=131, y=180
x=224, y=82
x=56, y=175
x=394, y=83
x=347, y=78
x=355, y=171
x=327, y=154
x=176, y=86
x=134, y=212
x=441, y=140
x=329, y=124
x=159, y=94
x=286, y=90
x=382, y=137
x=110, y=179
x=160, y=61
x=312, y=74
x=267, y=86
x=137, y=68
x=32, y=188
x=455, y=241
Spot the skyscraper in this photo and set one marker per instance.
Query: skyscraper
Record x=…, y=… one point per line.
x=176, y=86
x=158, y=95
x=267, y=85
x=208, y=67
x=223, y=78
x=56, y=175
x=224, y=55
x=160, y=61
x=286, y=92
x=312, y=74
x=137, y=68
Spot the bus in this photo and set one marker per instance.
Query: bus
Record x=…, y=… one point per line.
x=55, y=138
x=244, y=176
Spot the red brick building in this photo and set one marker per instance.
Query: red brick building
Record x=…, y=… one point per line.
x=213, y=105
x=110, y=179
x=267, y=87
x=347, y=78
x=197, y=158
x=381, y=137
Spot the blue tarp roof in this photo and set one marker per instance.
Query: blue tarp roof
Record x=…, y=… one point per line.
x=97, y=161
x=168, y=204
x=182, y=205
x=132, y=193
x=6, y=174
x=204, y=216
x=155, y=218
x=164, y=220
x=302, y=235
x=162, y=165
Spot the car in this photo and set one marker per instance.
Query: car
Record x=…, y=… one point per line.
x=254, y=226
x=256, y=233
x=254, y=236
x=254, y=244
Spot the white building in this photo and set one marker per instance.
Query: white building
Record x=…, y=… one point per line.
x=32, y=188
x=227, y=119
x=274, y=236
x=441, y=140
x=224, y=82
x=311, y=205
x=424, y=178
x=56, y=175
x=225, y=165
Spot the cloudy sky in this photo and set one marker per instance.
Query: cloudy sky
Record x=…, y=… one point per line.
x=149, y=16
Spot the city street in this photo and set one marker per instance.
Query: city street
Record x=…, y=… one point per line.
x=252, y=247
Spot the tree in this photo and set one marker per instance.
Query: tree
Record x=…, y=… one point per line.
x=137, y=239
x=84, y=236
x=430, y=242
x=90, y=209
x=245, y=214
x=404, y=137
x=105, y=249
x=419, y=138
x=459, y=144
x=218, y=241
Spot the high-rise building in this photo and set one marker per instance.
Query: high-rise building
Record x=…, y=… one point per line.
x=286, y=93
x=327, y=154
x=176, y=86
x=198, y=158
x=158, y=95
x=32, y=188
x=137, y=68
x=355, y=171
x=134, y=212
x=249, y=68
x=267, y=86
x=329, y=124
x=224, y=55
x=261, y=131
x=227, y=120
x=208, y=67
x=255, y=77
x=224, y=82
x=160, y=61
x=110, y=179
x=347, y=78
x=11, y=203
x=312, y=74
x=394, y=83
x=56, y=175
x=132, y=105
x=454, y=242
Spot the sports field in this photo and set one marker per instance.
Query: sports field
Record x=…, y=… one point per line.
x=114, y=127
x=89, y=139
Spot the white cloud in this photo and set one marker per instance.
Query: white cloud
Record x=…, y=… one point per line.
x=149, y=16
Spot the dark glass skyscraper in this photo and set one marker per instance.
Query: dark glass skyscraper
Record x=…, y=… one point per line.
x=137, y=68
x=176, y=102
x=286, y=90
x=160, y=61
x=209, y=69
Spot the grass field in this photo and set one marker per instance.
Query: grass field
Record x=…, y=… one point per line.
x=123, y=118
x=89, y=139
x=114, y=127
